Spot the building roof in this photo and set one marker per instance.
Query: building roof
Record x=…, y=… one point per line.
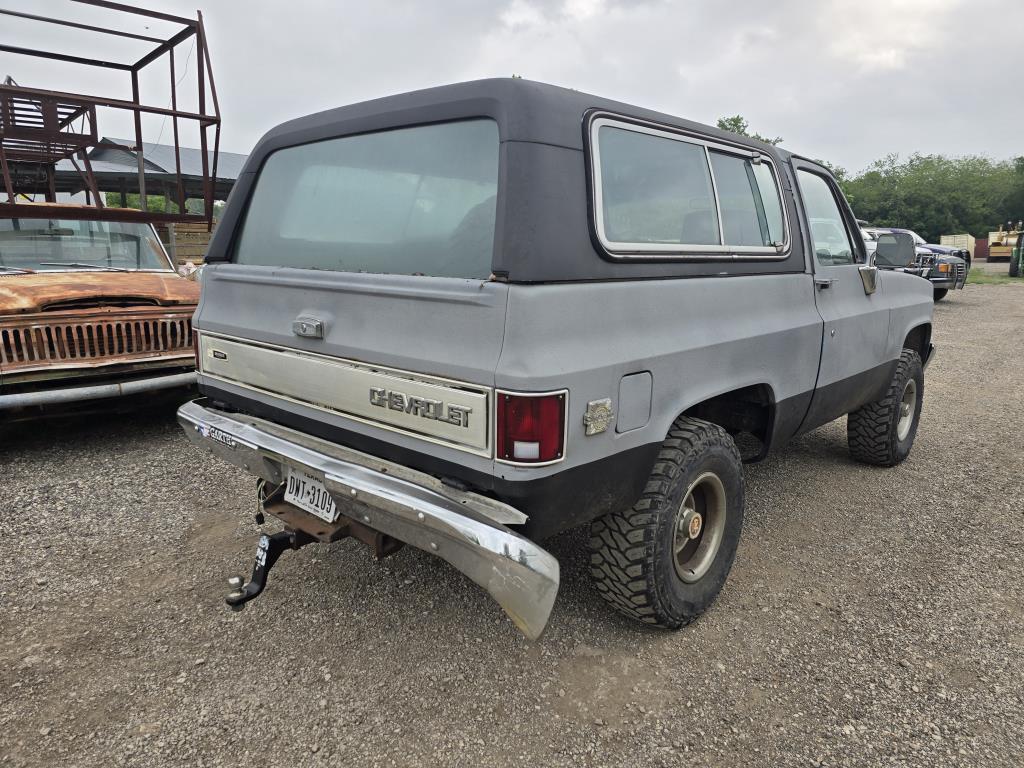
x=116, y=169
x=160, y=158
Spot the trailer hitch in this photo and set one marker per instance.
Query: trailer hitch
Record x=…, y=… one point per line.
x=270, y=548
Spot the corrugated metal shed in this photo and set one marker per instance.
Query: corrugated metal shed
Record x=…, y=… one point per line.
x=160, y=159
x=116, y=170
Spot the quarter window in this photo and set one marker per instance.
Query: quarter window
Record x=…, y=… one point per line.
x=751, y=210
x=831, y=242
x=659, y=192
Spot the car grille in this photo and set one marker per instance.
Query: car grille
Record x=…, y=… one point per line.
x=961, y=271
x=33, y=344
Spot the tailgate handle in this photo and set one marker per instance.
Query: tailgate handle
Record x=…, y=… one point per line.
x=308, y=327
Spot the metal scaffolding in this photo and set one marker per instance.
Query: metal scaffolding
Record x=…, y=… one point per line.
x=39, y=128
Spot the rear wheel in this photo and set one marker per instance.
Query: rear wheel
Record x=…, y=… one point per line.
x=883, y=432
x=665, y=560
x=940, y=293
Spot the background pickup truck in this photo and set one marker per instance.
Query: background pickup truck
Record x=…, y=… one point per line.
x=943, y=266
x=89, y=309
x=468, y=318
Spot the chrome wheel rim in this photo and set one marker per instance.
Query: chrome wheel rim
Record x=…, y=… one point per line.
x=699, y=527
x=908, y=407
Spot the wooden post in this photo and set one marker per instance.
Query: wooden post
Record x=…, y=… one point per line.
x=172, y=244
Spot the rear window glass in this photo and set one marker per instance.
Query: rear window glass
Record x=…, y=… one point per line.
x=418, y=201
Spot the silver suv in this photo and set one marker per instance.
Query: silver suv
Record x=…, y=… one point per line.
x=471, y=317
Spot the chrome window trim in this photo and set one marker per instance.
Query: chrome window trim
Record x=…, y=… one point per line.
x=487, y=452
x=838, y=201
x=160, y=244
x=680, y=251
x=714, y=194
x=81, y=270
x=565, y=427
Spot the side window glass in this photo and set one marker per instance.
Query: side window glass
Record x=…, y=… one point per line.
x=831, y=242
x=655, y=190
x=751, y=209
x=769, y=190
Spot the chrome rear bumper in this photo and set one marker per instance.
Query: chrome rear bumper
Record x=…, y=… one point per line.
x=466, y=529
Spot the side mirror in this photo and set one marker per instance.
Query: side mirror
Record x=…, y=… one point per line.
x=895, y=250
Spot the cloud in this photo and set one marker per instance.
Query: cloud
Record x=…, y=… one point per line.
x=848, y=81
x=884, y=36
x=522, y=13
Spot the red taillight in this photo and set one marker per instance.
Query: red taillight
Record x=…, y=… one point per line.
x=531, y=428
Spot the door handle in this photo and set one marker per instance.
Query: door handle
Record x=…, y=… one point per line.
x=824, y=282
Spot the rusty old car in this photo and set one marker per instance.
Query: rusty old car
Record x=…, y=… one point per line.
x=89, y=309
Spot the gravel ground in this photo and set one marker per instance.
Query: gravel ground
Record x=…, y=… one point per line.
x=873, y=617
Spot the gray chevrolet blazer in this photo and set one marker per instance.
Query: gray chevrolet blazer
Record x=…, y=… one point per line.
x=470, y=317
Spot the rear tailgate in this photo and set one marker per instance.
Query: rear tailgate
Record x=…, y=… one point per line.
x=398, y=354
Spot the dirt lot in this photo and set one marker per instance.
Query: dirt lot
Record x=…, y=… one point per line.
x=874, y=617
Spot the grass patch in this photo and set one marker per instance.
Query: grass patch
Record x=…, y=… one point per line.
x=981, y=277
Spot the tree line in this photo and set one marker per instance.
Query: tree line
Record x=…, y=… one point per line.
x=160, y=204
x=933, y=195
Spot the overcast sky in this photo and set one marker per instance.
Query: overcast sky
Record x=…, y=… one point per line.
x=844, y=80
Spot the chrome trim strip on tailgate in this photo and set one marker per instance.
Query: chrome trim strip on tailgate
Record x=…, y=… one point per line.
x=440, y=410
x=466, y=529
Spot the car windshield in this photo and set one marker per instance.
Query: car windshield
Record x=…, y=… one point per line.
x=60, y=245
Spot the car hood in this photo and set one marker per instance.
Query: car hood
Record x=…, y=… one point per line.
x=939, y=248
x=50, y=291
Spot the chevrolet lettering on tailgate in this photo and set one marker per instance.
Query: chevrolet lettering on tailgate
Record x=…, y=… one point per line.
x=421, y=406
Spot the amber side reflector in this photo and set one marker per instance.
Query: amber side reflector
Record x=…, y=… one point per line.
x=530, y=428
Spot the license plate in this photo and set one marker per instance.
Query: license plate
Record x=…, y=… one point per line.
x=308, y=493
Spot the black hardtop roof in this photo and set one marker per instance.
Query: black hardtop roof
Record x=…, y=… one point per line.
x=525, y=110
x=543, y=230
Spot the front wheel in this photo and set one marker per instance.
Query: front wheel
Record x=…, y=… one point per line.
x=940, y=293
x=883, y=432
x=665, y=560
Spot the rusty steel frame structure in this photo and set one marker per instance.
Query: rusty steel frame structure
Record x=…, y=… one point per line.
x=37, y=126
